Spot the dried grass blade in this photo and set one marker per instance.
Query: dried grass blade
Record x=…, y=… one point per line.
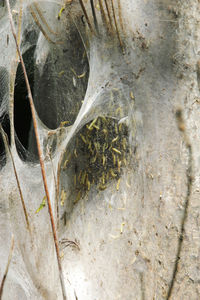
x=109, y=15
x=39, y=152
x=94, y=16
x=40, y=26
x=103, y=15
x=43, y=19
x=86, y=15
x=116, y=26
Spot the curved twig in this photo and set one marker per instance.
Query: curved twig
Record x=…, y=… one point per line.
x=189, y=172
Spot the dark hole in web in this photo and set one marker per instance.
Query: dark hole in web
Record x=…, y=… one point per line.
x=22, y=111
x=62, y=81
x=4, y=119
x=5, y=123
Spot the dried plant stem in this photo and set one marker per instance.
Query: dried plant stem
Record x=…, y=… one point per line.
x=39, y=152
x=43, y=19
x=57, y=190
x=116, y=26
x=103, y=15
x=7, y=267
x=109, y=16
x=94, y=15
x=120, y=14
x=189, y=176
x=40, y=26
x=13, y=75
x=86, y=15
x=16, y=176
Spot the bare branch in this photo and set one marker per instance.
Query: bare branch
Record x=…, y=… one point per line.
x=39, y=152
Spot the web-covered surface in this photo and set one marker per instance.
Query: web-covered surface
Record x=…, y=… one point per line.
x=83, y=100
x=94, y=71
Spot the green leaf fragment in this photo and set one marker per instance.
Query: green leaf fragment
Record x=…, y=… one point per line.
x=42, y=205
x=60, y=12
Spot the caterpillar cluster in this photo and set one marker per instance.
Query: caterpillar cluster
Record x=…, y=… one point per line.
x=100, y=152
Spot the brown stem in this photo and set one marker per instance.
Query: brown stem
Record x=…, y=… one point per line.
x=189, y=175
x=120, y=14
x=86, y=15
x=56, y=188
x=5, y=139
x=94, y=15
x=43, y=19
x=116, y=26
x=39, y=152
x=40, y=26
x=7, y=267
x=58, y=185
x=109, y=16
x=103, y=15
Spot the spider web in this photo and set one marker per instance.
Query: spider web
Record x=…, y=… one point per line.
x=83, y=106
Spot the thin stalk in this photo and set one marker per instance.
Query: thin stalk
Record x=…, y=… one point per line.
x=94, y=15
x=103, y=15
x=116, y=26
x=190, y=178
x=43, y=19
x=58, y=184
x=120, y=14
x=86, y=15
x=13, y=75
x=33, y=14
x=7, y=267
x=5, y=139
x=39, y=153
x=57, y=190
x=109, y=16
